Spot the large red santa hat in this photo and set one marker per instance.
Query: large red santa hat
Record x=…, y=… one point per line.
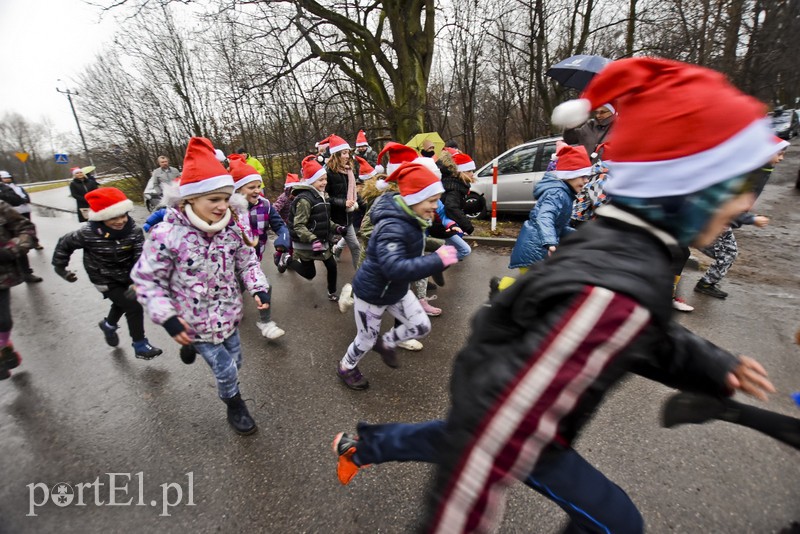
x=365, y=170
x=243, y=173
x=312, y=170
x=416, y=182
x=572, y=162
x=463, y=162
x=202, y=173
x=361, y=139
x=337, y=144
x=106, y=203
x=399, y=154
x=680, y=128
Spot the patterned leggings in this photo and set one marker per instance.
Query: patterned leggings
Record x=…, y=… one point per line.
x=414, y=325
x=724, y=251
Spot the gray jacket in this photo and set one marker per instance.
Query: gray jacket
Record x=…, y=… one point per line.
x=160, y=179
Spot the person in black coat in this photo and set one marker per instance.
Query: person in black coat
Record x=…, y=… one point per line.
x=342, y=193
x=78, y=187
x=112, y=244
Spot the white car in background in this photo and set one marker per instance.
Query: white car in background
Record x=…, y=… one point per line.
x=518, y=170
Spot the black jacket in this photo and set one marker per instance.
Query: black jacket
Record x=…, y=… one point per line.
x=318, y=222
x=79, y=188
x=454, y=199
x=108, y=256
x=9, y=196
x=337, y=195
x=512, y=341
x=17, y=237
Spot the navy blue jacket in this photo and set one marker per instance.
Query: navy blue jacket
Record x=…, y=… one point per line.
x=548, y=222
x=394, y=254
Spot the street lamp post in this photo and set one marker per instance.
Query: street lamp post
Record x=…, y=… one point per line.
x=74, y=114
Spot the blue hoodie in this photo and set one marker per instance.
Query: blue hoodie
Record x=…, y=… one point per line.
x=547, y=224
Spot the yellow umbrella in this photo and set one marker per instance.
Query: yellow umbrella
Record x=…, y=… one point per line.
x=433, y=137
x=87, y=170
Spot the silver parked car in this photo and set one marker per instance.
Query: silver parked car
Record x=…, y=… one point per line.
x=518, y=170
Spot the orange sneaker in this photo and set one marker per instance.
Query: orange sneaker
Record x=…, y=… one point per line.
x=344, y=445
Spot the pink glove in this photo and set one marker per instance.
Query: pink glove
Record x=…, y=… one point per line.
x=317, y=246
x=448, y=255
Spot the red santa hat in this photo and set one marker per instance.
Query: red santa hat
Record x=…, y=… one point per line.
x=463, y=162
x=780, y=144
x=75, y=170
x=312, y=170
x=365, y=170
x=572, y=162
x=243, y=173
x=323, y=144
x=202, y=173
x=399, y=154
x=416, y=182
x=106, y=203
x=291, y=180
x=680, y=128
x=361, y=139
x=337, y=144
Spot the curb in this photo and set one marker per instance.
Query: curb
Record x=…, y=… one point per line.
x=491, y=241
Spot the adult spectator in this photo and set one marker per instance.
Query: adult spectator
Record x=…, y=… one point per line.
x=78, y=187
x=252, y=161
x=19, y=200
x=596, y=130
x=364, y=150
x=161, y=177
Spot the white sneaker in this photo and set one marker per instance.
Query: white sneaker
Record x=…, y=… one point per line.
x=346, y=298
x=410, y=344
x=270, y=330
x=681, y=305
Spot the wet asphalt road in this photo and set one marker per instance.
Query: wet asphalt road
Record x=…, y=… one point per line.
x=77, y=410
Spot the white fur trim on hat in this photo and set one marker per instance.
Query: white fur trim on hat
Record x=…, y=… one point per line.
x=246, y=180
x=429, y=164
x=114, y=210
x=339, y=148
x=465, y=167
x=391, y=167
x=317, y=175
x=206, y=185
x=568, y=175
x=610, y=108
x=433, y=189
x=572, y=113
x=742, y=153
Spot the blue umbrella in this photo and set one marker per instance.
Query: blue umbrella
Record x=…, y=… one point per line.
x=577, y=71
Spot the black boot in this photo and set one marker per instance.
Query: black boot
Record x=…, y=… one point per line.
x=188, y=354
x=238, y=416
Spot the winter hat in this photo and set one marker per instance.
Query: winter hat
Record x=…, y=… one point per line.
x=291, y=180
x=243, y=174
x=220, y=155
x=452, y=151
x=323, y=144
x=572, y=162
x=106, y=203
x=5, y=174
x=75, y=170
x=463, y=162
x=312, y=170
x=680, y=128
x=397, y=154
x=202, y=173
x=380, y=169
x=416, y=182
x=337, y=144
x=365, y=170
x=361, y=139
x=780, y=144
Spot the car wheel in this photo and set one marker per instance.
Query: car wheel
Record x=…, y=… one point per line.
x=475, y=206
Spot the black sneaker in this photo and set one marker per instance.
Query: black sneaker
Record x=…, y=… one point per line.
x=110, y=331
x=238, y=416
x=145, y=351
x=9, y=359
x=494, y=286
x=690, y=408
x=431, y=287
x=710, y=289
x=31, y=278
x=352, y=378
x=188, y=354
x=388, y=354
x=333, y=297
x=283, y=262
x=438, y=278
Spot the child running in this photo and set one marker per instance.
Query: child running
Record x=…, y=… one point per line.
x=394, y=259
x=17, y=237
x=112, y=244
x=189, y=273
x=262, y=216
x=310, y=226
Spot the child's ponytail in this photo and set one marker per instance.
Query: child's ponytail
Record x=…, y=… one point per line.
x=245, y=234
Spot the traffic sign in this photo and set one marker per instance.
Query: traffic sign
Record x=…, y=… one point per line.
x=61, y=158
x=22, y=156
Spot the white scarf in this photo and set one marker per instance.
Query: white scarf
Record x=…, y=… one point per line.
x=200, y=224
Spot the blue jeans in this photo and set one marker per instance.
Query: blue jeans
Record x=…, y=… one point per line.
x=593, y=503
x=462, y=247
x=225, y=361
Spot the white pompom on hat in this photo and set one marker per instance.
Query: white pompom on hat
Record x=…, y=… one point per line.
x=312, y=170
x=680, y=128
x=107, y=203
x=202, y=173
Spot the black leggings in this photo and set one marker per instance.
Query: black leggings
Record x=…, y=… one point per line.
x=121, y=305
x=5, y=310
x=308, y=270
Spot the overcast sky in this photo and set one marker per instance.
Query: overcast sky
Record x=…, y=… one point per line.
x=42, y=41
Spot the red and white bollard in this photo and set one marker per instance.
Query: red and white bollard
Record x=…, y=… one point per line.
x=494, y=195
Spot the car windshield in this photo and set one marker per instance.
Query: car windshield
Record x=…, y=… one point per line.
x=781, y=117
